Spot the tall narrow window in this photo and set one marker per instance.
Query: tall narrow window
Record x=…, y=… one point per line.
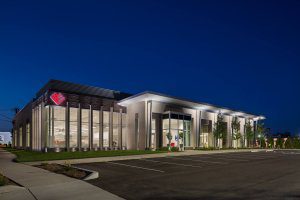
x=73, y=127
x=20, y=137
x=28, y=135
x=96, y=128
x=85, y=118
x=105, y=129
x=115, y=129
x=124, y=131
x=15, y=138
x=153, y=134
x=59, y=132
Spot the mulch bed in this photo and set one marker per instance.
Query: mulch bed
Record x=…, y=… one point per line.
x=64, y=169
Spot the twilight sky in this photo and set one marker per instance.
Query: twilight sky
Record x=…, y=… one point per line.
x=237, y=54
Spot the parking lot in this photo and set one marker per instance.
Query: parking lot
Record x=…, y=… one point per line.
x=243, y=175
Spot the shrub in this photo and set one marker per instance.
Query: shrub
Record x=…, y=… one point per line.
x=3, y=180
x=174, y=149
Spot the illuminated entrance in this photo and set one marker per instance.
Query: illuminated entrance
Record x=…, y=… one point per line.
x=179, y=127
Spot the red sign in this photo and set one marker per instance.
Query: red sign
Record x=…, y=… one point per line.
x=58, y=98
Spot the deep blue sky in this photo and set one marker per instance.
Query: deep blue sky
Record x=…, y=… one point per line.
x=239, y=54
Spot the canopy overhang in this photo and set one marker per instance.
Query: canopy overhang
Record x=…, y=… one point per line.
x=153, y=96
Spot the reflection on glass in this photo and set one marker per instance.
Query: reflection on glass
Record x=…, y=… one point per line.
x=20, y=137
x=73, y=127
x=27, y=135
x=178, y=123
x=85, y=128
x=153, y=133
x=105, y=129
x=96, y=124
x=59, y=133
x=115, y=129
x=206, y=137
x=124, y=131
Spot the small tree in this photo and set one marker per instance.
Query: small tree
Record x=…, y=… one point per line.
x=219, y=129
x=249, y=132
x=169, y=137
x=261, y=131
x=236, y=133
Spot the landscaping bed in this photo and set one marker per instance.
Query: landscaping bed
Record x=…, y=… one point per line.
x=31, y=156
x=5, y=181
x=67, y=170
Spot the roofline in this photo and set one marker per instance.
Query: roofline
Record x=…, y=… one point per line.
x=192, y=101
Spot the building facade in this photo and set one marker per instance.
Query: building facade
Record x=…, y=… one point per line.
x=73, y=117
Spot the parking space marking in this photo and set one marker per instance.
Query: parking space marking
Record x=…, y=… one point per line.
x=133, y=166
x=170, y=163
x=197, y=160
x=223, y=158
x=233, y=159
x=245, y=156
x=289, y=153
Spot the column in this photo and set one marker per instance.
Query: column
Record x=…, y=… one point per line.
x=79, y=127
x=136, y=130
x=67, y=124
x=120, y=129
x=91, y=128
x=111, y=127
x=101, y=128
x=200, y=128
x=148, y=124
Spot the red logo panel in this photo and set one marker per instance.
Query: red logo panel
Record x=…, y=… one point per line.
x=58, y=98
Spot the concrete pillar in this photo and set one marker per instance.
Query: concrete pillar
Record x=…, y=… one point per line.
x=101, y=127
x=120, y=129
x=79, y=126
x=91, y=128
x=111, y=127
x=67, y=125
x=148, y=120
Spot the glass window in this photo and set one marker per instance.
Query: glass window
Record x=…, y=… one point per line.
x=206, y=137
x=166, y=124
x=20, y=137
x=153, y=133
x=85, y=118
x=187, y=138
x=15, y=138
x=115, y=129
x=59, y=134
x=124, y=131
x=174, y=123
x=105, y=129
x=178, y=124
x=73, y=127
x=96, y=124
x=28, y=135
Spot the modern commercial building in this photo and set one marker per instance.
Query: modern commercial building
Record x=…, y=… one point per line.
x=69, y=116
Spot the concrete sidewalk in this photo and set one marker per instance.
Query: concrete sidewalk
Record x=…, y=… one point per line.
x=131, y=157
x=43, y=185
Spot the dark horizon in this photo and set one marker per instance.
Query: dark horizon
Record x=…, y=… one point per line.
x=240, y=55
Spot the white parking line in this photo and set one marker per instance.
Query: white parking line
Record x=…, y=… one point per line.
x=170, y=163
x=223, y=158
x=133, y=166
x=246, y=156
x=197, y=160
x=290, y=153
x=233, y=159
